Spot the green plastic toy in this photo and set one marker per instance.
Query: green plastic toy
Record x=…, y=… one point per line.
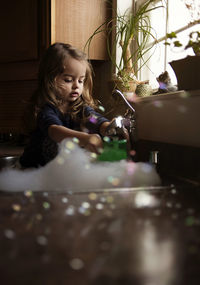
x=114, y=150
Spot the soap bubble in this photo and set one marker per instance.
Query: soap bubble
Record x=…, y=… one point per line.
x=75, y=172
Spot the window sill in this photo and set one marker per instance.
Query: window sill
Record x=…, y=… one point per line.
x=166, y=96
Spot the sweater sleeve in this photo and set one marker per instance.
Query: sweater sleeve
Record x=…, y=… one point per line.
x=47, y=117
x=94, y=120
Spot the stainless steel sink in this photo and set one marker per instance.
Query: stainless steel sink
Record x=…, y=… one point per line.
x=8, y=161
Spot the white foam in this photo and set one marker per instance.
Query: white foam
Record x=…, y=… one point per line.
x=74, y=170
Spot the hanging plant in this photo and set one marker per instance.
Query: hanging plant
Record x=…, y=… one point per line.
x=193, y=42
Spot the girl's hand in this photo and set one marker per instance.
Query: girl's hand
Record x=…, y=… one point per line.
x=92, y=142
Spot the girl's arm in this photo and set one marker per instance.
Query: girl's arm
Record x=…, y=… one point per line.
x=92, y=142
x=103, y=128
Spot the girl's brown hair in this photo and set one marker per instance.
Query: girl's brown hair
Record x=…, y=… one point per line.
x=51, y=65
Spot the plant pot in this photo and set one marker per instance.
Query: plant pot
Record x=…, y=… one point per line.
x=187, y=72
x=128, y=90
x=130, y=86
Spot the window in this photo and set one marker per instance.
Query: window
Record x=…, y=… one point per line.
x=122, y=6
x=183, y=17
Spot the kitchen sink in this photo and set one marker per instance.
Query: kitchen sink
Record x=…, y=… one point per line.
x=8, y=161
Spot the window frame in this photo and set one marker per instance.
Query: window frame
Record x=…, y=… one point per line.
x=161, y=39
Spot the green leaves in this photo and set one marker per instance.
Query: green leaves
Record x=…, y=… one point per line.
x=177, y=44
x=171, y=35
x=193, y=42
x=131, y=32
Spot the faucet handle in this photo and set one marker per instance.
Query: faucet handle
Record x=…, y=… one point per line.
x=129, y=115
x=116, y=128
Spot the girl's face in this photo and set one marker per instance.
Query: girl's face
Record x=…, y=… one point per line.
x=71, y=82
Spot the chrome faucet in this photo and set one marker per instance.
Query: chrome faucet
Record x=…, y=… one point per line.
x=118, y=92
x=118, y=124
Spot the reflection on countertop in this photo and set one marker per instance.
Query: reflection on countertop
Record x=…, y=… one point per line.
x=120, y=237
x=11, y=144
x=7, y=149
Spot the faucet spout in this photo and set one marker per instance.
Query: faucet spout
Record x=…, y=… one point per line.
x=118, y=92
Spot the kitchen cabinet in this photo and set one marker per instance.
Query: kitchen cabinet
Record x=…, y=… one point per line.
x=27, y=29
x=74, y=22
x=24, y=37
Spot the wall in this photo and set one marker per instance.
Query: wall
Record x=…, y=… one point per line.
x=170, y=118
x=169, y=125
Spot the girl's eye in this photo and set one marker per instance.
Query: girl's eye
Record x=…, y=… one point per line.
x=68, y=80
x=81, y=81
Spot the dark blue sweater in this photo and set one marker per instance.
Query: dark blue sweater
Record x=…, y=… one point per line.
x=41, y=148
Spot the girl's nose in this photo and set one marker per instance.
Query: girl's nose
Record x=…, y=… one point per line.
x=75, y=84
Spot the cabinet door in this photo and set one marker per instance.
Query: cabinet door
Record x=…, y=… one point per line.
x=74, y=22
x=18, y=36
x=23, y=33
x=24, y=36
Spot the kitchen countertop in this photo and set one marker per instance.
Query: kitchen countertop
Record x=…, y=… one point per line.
x=10, y=149
x=130, y=236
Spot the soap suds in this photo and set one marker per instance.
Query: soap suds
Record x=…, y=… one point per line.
x=74, y=169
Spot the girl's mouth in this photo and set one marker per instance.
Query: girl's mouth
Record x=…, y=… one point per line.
x=74, y=94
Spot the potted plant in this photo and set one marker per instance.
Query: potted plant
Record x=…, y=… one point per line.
x=132, y=31
x=187, y=69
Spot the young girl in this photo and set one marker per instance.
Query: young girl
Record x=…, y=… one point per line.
x=62, y=106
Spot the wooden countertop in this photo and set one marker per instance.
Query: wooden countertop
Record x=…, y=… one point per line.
x=118, y=237
x=10, y=149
